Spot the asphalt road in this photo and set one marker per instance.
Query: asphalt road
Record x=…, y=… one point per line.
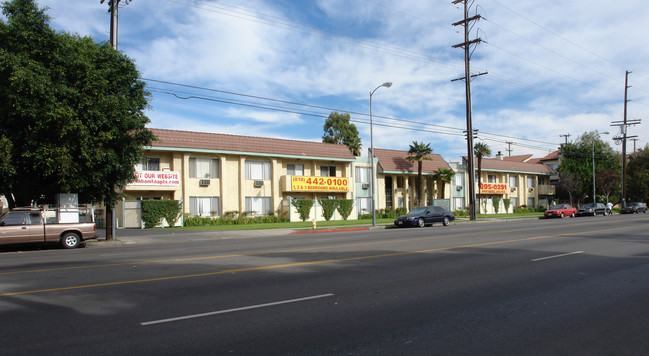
x=533, y=287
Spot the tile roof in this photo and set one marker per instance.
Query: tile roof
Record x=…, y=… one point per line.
x=261, y=145
x=512, y=166
x=551, y=156
x=393, y=160
x=519, y=158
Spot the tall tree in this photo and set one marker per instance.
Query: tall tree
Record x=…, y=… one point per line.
x=480, y=150
x=443, y=176
x=419, y=152
x=338, y=129
x=71, y=109
x=637, y=177
x=577, y=158
x=608, y=181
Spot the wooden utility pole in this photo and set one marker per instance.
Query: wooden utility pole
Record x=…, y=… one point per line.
x=566, y=138
x=467, y=80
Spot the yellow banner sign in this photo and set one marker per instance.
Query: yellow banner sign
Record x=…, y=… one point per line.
x=319, y=184
x=493, y=188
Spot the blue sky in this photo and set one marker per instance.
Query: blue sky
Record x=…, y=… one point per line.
x=278, y=68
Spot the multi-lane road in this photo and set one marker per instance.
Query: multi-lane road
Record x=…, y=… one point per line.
x=532, y=287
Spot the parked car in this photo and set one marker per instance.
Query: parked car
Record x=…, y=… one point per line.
x=593, y=209
x=635, y=207
x=33, y=225
x=560, y=210
x=425, y=215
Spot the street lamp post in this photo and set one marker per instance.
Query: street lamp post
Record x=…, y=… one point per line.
x=593, y=146
x=387, y=85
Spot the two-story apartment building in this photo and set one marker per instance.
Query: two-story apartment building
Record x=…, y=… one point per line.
x=523, y=181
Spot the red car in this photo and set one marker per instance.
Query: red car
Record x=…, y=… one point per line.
x=560, y=210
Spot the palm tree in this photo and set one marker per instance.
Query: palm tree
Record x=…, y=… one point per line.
x=443, y=176
x=480, y=150
x=419, y=152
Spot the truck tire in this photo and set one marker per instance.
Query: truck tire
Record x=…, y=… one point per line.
x=70, y=240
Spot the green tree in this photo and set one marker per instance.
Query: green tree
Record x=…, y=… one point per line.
x=577, y=158
x=637, y=176
x=72, y=110
x=480, y=150
x=338, y=129
x=443, y=176
x=608, y=181
x=419, y=152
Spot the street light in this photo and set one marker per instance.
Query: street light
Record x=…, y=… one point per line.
x=387, y=85
x=593, y=145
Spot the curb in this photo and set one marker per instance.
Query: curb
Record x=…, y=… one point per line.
x=329, y=230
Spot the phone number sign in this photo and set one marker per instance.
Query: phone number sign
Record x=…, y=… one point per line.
x=319, y=184
x=493, y=188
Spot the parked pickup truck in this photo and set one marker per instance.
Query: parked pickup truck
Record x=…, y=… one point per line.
x=39, y=225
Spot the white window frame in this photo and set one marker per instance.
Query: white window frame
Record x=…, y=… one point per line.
x=294, y=169
x=530, y=199
x=204, y=168
x=513, y=181
x=364, y=205
x=325, y=171
x=148, y=164
x=458, y=179
x=531, y=182
x=259, y=205
x=203, y=206
x=491, y=178
x=363, y=174
x=257, y=170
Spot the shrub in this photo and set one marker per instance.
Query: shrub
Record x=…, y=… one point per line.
x=508, y=203
x=365, y=217
x=389, y=213
x=328, y=207
x=154, y=210
x=496, y=204
x=303, y=207
x=345, y=207
x=401, y=211
x=461, y=213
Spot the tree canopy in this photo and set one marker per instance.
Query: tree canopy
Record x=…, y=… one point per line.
x=71, y=111
x=637, y=177
x=577, y=159
x=338, y=129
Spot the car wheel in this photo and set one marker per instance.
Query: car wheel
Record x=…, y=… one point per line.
x=70, y=240
x=572, y=215
x=561, y=215
x=446, y=221
x=420, y=222
x=605, y=213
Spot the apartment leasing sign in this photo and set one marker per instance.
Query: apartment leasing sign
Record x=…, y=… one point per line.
x=493, y=188
x=319, y=184
x=157, y=178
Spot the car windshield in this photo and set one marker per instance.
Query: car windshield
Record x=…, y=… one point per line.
x=587, y=206
x=418, y=210
x=635, y=204
x=558, y=207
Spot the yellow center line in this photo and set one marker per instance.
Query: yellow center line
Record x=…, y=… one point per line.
x=436, y=237
x=301, y=264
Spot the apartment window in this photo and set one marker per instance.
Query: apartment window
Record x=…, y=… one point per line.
x=203, y=168
x=399, y=182
x=148, y=164
x=458, y=203
x=514, y=201
x=458, y=179
x=530, y=202
x=364, y=205
x=258, y=205
x=541, y=180
x=257, y=170
x=363, y=174
x=204, y=206
x=530, y=182
x=327, y=171
x=513, y=181
x=491, y=178
x=295, y=169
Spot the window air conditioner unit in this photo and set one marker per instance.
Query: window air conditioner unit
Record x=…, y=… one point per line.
x=204, y=182
x=513, y=189
x=259, y=183
x=366, y=185
x=458, y=188
x=530, y=190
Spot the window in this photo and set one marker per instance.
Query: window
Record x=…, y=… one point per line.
x=364, y=205
x=491, y=178
x=514, y=201
x=530, y=202
x=258, y=205
x=363, y=174
x=14, y=219
x=327, y=171
x=204, y=206
x=399, y=182
x=458, y=203
x=458, y=179
x=541, y=180
x=257, y=170
x=203, y=168
x=295, y=169
x=148, y=164
x=530, y=182
x=513, y=181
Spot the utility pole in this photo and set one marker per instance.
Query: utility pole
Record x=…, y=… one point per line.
x=509, y=148
x=566, y=138
x=623, y=130
x=113, y=7
x=635, y=139
x=467, y=80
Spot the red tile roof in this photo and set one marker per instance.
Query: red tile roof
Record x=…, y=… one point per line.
x=551, y=156
x=393, y=160
x=519, y=158
x=512, y=166
x=267, y=146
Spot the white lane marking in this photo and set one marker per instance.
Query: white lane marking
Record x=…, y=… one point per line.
x=555, y=256
x=235, y=309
